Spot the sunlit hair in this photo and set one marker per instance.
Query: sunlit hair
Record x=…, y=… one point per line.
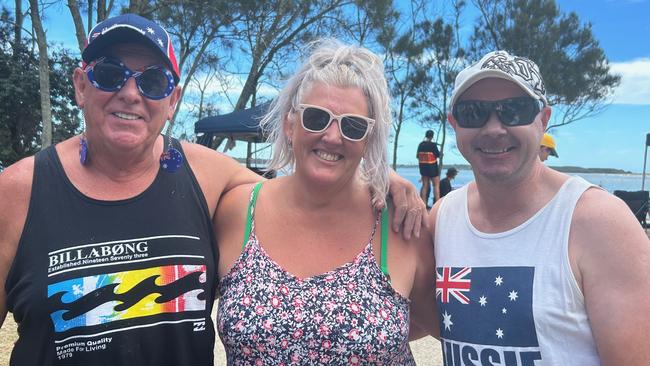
x=334, y=63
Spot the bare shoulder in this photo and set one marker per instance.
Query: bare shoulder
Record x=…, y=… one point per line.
x=205, y=161
x=216, y=172
x=229, y=223
x=604, y=230
x=15, y=191
x=231, y=211
x=610, y=256
x=197, y=152
x=603, y=220
x=236, y=198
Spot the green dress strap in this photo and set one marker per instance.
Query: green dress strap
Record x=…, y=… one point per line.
x=249, y=213
x=384, y=242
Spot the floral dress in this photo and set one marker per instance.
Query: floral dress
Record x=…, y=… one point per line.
x=348, y=316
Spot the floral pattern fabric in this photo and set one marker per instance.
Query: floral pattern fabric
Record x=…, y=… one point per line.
x=348, y=316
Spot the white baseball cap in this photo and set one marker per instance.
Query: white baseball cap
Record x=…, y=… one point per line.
x=501, y=64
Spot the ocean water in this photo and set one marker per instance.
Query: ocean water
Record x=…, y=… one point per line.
x=610, y=182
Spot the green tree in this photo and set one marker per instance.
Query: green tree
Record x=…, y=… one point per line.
x=20, y=111
x=407, y=67
x=443, y=62
x=200, y=30
x=272, y=32
x=574, y=67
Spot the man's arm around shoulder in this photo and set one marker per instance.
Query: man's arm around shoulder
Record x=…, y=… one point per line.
x=216, y=173
x=15, y=191
x=610, y=256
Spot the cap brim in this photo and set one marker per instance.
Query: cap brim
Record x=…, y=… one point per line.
x=98, y=47
x=553, y=152
x=491, y=73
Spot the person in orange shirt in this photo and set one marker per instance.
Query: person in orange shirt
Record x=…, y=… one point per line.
x=428, y=155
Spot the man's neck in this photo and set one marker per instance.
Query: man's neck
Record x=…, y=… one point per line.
x=501, y=206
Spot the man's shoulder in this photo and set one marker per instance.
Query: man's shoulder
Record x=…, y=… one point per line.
x=603, y=220
x=202, y=158
x=215, y=172
x=596, y=204
x=15, y=191
x=17, y=177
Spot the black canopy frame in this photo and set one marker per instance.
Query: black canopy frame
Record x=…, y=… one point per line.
x=242, y=125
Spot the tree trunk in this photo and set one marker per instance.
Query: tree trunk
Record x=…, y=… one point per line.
x=395, y=141
x=78, y=24
x=18, y=29
x=101, y=10
x=89, y=15
x=43, y=75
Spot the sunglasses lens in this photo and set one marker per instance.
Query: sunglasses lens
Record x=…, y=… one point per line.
x=314, y=119
x=518, y=111
x=153, y=83
x=354, y=128
x=108, y=76
x=471, y=114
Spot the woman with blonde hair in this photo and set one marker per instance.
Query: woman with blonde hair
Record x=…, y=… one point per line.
x=319, y=278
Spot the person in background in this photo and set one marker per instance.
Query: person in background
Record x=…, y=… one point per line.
x=427, y=156
x=533, y=266
x=107, y=250
x=445, y=183
x=547, y=147
x=318, y=279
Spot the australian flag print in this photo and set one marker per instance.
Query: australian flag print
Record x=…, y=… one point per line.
x=486, y=316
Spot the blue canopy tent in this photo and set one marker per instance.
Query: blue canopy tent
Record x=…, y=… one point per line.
x=242, y=125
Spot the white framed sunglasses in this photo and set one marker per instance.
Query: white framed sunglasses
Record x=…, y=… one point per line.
x=317, y=119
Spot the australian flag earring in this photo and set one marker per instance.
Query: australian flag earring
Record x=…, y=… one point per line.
x=83, y=147
x=171, y=159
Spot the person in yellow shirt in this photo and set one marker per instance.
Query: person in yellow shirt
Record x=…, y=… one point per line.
x=547, y=147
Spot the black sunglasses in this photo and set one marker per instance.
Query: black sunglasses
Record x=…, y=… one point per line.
x=317, y=119
x=519, y=111
x=110, y=75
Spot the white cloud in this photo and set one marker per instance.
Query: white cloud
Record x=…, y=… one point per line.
x=635, y=81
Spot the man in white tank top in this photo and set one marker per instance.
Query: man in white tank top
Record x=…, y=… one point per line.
x=534, y=267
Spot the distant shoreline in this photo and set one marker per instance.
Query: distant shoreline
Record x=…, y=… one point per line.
x=563, y=169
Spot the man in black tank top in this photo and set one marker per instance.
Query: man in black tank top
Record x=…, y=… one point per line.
x=107, y=252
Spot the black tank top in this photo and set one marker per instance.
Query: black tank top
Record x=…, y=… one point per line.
x=128, y=282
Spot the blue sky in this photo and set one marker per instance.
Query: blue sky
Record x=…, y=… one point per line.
x=616, y=137
x=613, y=139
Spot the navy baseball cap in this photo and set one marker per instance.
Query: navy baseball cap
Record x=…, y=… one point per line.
x=130, y=28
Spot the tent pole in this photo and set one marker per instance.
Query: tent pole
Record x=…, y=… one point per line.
x=645, y=158
x=248, y=154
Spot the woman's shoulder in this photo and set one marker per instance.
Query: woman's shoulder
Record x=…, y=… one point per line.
x=237, y=196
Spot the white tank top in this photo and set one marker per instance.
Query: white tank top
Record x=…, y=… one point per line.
x=510, y=298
